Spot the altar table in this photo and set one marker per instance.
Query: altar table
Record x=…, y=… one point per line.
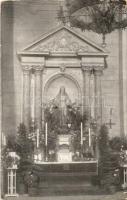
x=81, y=167
x=57, y=177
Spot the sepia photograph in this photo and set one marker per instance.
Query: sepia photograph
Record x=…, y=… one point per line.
x=63, y=100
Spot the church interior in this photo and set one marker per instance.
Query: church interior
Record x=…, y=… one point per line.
x=60, y=87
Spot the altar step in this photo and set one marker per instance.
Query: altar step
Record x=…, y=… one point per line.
x=64, y=187
x=64, y=190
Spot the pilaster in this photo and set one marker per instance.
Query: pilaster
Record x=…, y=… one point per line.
x=98, y=97
x=26, y=96
x=86, y=90
x=38, y=95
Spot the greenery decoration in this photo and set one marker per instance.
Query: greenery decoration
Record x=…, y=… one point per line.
x=21, y=144
x=24, y=145
x=108, y=162
x=71, y=126
x=7, y=159
x=103, y=140
x=100, y=16
x=116, y=143
x=30, y=179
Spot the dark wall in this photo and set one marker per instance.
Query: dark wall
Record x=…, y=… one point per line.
x=8, y=94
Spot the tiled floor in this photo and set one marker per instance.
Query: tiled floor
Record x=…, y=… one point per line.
x=116, y=196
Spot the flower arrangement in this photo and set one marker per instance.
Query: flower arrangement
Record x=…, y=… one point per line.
x=10, y=158
x=119, y=145
x=123, y=156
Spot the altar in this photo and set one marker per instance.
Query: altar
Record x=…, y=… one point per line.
x=70, y=168
x=63, y=177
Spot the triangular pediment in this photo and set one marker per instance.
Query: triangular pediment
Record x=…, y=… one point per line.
x=64, y=39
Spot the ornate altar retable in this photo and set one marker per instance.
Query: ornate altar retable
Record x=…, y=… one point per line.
x=68, y=159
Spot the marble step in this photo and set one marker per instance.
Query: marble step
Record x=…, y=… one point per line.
x=64, y=190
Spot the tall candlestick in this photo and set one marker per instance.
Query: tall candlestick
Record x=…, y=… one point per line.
x=89, y=138
x=46, y=134
x=4, y=142
x=37, y=138
x=3, y=139
x=81, y=134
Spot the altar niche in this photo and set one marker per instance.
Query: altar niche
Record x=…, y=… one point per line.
x=68, y=136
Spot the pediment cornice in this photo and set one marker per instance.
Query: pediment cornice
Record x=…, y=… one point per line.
x=63, y=41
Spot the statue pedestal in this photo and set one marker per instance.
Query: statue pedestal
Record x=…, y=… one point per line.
x=63, y=148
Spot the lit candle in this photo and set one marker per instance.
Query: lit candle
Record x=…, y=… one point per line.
x=35, y=157
x=39, y=157
x=37, y=138
x=3, y=139
x=89, y=138
x=46, y=131
x=81, y=134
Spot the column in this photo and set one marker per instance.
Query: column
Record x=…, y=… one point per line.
x=38, y=97
x=124, y=81
x=86, y=91
x=26, y=96
x=98, y=97
x=98, y=105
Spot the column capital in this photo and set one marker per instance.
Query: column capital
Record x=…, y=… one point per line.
x=31, y=66
x=86, y=70
x=38, y=67
x=92, y=70
x=26, y=68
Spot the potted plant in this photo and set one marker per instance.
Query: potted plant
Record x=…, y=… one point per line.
x=108, y=163
x=24, y=148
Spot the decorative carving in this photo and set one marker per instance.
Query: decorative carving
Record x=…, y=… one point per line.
x=36, y=67
x=92, y=67
x=63, y=68
x=62, y=43
x=26, y=67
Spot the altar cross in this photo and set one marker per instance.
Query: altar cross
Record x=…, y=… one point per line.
x=110, y=123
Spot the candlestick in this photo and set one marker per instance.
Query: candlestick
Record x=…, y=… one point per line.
x=89, y=138
x=46, y=134
x=81, y=134
x=37, y=138
x=4, y=142
x=3, y=139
